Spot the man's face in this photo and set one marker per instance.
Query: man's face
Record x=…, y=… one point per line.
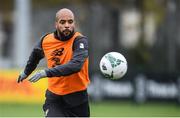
x=65, y=23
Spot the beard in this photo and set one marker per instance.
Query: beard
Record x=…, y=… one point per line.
x=66, y=34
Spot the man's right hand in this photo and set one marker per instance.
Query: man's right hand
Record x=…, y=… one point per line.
x=21, y=77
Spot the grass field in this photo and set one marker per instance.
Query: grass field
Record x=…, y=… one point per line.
x=103, y=109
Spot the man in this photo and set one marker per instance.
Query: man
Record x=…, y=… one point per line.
x=66, y=52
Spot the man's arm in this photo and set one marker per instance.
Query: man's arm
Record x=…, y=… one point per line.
x=36, y=55
x=80, y=53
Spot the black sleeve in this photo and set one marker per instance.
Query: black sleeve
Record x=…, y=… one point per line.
x=80, y=53
x=36, y=55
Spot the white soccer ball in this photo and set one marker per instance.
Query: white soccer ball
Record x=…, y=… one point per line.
x=113, y=65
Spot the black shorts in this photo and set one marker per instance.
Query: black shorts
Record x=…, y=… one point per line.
x=71, y=105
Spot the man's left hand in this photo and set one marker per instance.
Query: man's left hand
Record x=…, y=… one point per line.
x=38, y=75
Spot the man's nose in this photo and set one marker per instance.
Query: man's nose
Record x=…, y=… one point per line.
x=66, y=25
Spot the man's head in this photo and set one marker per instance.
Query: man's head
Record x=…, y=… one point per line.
x=65, y=23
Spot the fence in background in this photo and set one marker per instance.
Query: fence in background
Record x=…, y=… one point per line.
x=140, y=88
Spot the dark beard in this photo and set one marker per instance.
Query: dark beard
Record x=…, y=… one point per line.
x=64, y=37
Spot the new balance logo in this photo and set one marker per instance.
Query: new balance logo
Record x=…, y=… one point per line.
x=81, y=45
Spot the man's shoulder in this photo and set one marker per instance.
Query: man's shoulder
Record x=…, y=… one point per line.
x=46, y=34
x=80, y=36
x=80, y=41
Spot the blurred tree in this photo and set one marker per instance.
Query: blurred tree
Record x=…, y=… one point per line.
x=6, y=9
x=143, y=54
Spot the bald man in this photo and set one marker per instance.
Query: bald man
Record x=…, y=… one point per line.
x=66, y=53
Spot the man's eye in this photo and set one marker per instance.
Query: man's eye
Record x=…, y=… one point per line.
x=70, y=21
x=62, y=22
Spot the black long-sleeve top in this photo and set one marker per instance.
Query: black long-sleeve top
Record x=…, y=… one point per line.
x=73, y=66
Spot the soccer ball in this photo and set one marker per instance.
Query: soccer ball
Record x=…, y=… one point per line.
x=113, y=65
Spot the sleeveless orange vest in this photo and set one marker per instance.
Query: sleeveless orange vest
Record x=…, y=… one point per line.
x=60, y=52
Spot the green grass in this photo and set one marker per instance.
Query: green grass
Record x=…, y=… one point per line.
x=17, y=110
x=108, y=108
x=129, y=109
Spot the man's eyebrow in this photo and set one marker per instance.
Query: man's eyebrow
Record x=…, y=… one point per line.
x=61, y=20
x=66, y=20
